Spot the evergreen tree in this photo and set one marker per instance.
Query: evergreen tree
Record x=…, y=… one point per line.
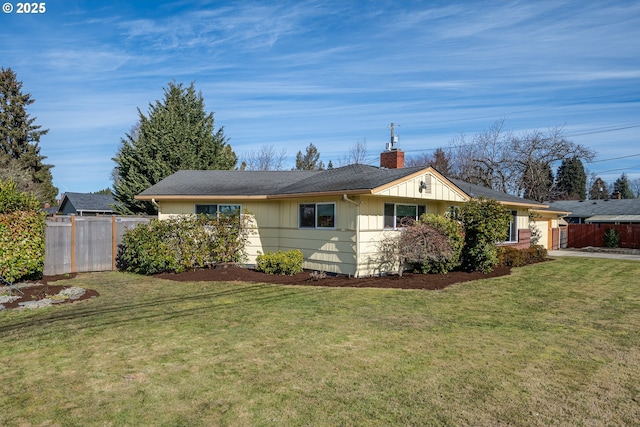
x=330, y=165
x=440, y=161
x=599, y=190
x=310, y=161
x=622, y=186
x=571, y=181
x=20, y=139
x=177, y=134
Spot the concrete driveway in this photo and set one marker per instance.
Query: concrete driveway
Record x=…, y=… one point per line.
x=632, y=254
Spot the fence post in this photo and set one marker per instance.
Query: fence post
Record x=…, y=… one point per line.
x=114, y=251
x=73, y=243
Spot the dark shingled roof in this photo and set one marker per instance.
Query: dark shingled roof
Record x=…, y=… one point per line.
x=89, y=202
x=589, y=208
x=275, y=183
x=269, y=183
x=475, y=191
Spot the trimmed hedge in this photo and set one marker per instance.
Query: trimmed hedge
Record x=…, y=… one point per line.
x=280, y=262
x=182, y=243
x=512, y=257
x=22, y=234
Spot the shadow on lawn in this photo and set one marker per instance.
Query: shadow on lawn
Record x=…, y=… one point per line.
x=139, y=310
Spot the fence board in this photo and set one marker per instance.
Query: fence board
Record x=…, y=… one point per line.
x=583, y=235
x=57, y=259
x=82, y=244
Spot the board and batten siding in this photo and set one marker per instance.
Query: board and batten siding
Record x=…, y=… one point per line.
x=276, y=228
x=372, y=233
x=433, y=188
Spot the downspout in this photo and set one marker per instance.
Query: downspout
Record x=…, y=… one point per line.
x=357, y=205
x=348, y=200
x=154, y=203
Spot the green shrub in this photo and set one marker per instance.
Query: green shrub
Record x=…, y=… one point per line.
x=537, y=253
x=511, y=257
x=280, y=262
x=22, y=234
x=145, y=249
x=183, y=243
x=445, y=257
x=485, y=222
x=611, y=238
x=12, y=200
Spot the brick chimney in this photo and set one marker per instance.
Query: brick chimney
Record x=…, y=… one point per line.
x=392, y=159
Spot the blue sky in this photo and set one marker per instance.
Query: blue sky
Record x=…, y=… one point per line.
x=332, y=73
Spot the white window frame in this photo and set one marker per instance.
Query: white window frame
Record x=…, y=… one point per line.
x=453, y=212
x=513, y=228
x=315, y=216
x=395, y=214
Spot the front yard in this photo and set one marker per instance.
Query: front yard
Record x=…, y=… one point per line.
x=555, y=343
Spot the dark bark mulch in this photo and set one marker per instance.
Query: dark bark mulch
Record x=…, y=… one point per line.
x=44, y=288
x=407, y=281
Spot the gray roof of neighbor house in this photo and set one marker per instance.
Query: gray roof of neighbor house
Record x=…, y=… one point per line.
x=351, y=178
x=589, y=208
x=86, y=202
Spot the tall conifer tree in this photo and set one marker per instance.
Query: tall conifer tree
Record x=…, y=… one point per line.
x=571, y=181
x=310, y=160
x=20, y=140
x=177, y=134
x=621, y=185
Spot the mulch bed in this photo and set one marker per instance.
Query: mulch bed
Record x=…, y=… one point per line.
x=45, y=288
x=407, y=281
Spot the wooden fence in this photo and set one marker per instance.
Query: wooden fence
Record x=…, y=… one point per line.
x=583, y=235
x=75, y=244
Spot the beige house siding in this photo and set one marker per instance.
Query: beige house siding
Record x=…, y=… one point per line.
x=372, y=233
x=434, y=188
x=352, y=247
x=276, y=228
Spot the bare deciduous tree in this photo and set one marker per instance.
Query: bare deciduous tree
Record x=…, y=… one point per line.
x=519, y=165
x=267, y=158
x=357, y=155
x=635, y=186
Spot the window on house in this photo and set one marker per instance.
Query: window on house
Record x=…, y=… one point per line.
x=214, y=210
x=396, y=215
x=453, y=212
x=317, y=215
x=513, y=228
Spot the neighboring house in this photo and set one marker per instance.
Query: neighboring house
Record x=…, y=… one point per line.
x=609, y=211
x=337, y=217
x=84, y=204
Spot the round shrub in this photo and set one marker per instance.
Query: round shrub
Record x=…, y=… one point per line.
x=452, y=233
x=280, y=262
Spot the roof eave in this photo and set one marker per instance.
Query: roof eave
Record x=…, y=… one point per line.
x=194, y=197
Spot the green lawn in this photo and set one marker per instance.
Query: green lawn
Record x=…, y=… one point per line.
x=556, y=343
